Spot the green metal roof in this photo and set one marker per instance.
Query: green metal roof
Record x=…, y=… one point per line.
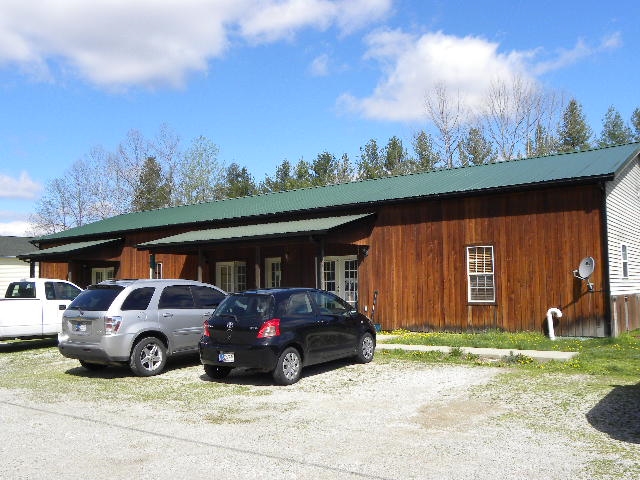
x=265, y=230
x=64, y=249
x=590, y=165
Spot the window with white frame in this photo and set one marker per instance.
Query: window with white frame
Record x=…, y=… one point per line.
x=480, y=274
x=157, y=271
x=231, y=276
x=273, y=272
x=625, y=261
x=100, y=274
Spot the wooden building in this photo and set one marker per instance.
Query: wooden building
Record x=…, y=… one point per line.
x=473, y=248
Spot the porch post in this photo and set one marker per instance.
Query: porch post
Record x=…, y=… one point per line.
x=258, y=272
x=200, y=264
x=319, y=264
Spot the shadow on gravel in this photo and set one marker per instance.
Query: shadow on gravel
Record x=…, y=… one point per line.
x=243, y=376
x=618, y=414
x=21, y=345
x=122, y=371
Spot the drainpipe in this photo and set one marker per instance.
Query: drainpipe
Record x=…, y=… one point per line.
x=550, y=313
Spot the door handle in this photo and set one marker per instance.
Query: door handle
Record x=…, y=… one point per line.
x=167, y=314
x=62, y=307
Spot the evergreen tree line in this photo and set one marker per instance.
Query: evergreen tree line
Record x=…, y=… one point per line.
x=144, y=174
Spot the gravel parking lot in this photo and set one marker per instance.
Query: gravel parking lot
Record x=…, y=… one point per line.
x=384, y=420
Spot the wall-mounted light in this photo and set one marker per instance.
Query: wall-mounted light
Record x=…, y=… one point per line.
x=365, y=250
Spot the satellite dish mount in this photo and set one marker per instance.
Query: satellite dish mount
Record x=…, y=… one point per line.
x=585, y=270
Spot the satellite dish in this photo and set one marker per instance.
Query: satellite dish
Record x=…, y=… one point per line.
x=585, y=270
x=587, y=265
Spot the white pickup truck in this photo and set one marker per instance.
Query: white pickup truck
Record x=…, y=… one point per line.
x=33, y=307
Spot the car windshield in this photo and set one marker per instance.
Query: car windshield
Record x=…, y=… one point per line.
x=97, y=298
x=246, y=308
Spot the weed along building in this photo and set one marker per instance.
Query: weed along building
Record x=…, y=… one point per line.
x=481, y=247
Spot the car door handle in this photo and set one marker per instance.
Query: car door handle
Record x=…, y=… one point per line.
x=62, y=307
x=167, y=314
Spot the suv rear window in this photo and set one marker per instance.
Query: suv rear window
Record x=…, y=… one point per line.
x=207, y=297
x=176, y=296
x=138, y=299
x=247, y=308
x=97, y=298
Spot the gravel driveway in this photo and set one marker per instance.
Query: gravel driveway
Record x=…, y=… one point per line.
x=385, y=420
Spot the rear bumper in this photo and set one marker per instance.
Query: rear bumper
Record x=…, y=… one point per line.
x=258, y=357
x=107, y=351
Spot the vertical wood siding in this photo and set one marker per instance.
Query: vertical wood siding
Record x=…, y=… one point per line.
x=417, y=262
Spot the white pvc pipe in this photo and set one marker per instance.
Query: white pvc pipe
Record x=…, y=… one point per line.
x=550, y=313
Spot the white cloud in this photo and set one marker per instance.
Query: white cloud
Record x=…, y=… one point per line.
x=415, y=64
x=320, y=66
x=119, y=43
x=21, y=187
x=16, y=228
x=14, y=223
x=564, y=58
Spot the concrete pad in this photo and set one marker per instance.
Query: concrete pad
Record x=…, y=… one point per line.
x=491, y=353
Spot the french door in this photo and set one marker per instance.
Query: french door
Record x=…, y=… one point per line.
x=340, y=276
x=100, y=274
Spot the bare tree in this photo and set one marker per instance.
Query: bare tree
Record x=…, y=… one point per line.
x=447, y=115
x=511, y=114
x=200, y=175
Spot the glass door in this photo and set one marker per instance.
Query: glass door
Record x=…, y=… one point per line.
x=340, y=276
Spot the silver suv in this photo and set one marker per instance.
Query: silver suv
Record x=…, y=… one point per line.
x=136, y=322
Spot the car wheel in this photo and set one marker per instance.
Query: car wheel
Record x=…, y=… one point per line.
x=288, y=368
x=148, y=357
x=92, y=366
x=214, y=371
x=366, y=347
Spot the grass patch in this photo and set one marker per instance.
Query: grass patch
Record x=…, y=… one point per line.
x=616, y=357
x=50, y=377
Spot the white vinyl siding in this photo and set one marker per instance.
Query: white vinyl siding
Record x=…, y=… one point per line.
x=623, y=227
x=480, y=274
x=12, y=269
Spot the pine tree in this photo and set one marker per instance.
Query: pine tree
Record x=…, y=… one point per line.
x=238, y=182
x=635, y=122
x=614, y=130
x=426, y=158
x=370, y=163
x=475, y=149
x=573, y=132
x=153, y=190
x=395, y=158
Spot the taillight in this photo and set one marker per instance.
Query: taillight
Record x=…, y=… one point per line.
x=270, y=328
x=112, y=325
x=206, y=332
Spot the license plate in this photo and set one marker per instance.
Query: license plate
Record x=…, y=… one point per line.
x=226, y=357
x=80, y=327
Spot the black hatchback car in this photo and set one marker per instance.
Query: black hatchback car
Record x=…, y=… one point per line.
x=282, y=330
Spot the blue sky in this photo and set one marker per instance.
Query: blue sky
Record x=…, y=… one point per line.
x=268, y=80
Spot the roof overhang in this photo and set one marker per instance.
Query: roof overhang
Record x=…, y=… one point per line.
x=65, y=250
x=314, y=226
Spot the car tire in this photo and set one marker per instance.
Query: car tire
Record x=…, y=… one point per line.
x=366, y=348
x=288, y=368
x=92, y=366
x=148, y=357
x=216, y=372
